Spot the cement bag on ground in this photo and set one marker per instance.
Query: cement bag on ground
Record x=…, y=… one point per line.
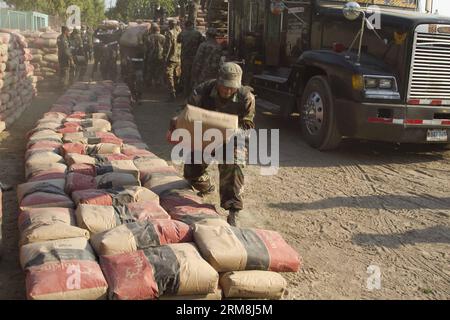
x=146, y=175
x=43, y=157
x=188, y=207
x=176, y=269
x=47, y=135
x=25, y=189
x=103, y=158
x=74, y=158
x=47, y=175
x=82, y=168
x=62, y=270
x=120, y=115
x=117, y=197
x=149, y=163
x=209, y=120
x=138, y=152
x=46, y=196
x=234, y=249
x=116, y=180
x=99, y=219
x=96, y=125
x=47, y=146
x=42, y=168
x=92, y=138
x=140, y=235
x=51, y=58
x=103, y=148
x=76, y=182
x=124, y=124
x=45, y=224
x=128, y=133
x=78, y=148
x=45, y=43
x=119, y=166
x=161, y=183
x=50, y=35
x=253, y=285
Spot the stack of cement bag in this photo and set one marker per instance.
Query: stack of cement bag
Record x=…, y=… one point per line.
x=96, y=199
x=218, y=16
x=201, y=21
x=43, y=47
x=17, y=83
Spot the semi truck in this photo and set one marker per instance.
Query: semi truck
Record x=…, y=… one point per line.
x=373, y=70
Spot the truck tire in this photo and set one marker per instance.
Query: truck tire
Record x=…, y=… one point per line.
x=317, y=115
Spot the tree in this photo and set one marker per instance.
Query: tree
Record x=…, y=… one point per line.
x=92, y=11
x=129, y=10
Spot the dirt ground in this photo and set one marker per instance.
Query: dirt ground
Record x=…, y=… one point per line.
x=365, y=204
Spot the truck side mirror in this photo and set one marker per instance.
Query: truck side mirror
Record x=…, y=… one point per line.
x=352, y=10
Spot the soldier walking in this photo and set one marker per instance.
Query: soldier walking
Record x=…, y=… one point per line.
x=64, y=58
x=172, y=59
x=190, y=40
x=155, y=56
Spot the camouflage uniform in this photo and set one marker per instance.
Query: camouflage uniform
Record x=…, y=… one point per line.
x=76, y=43
x=64, y=59
x=172, y=59
x=206, y=62
x=88, y=41
x=231, y=175
x=190, y=40
x=133, y=71
x=155, y=57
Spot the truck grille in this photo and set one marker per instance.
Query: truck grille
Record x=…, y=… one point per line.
x=430, y=65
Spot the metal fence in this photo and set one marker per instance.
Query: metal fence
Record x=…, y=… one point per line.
x=11, y=19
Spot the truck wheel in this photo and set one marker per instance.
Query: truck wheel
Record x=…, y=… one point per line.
x=317, y=115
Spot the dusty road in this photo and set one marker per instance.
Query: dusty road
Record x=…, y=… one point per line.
x=364, y=204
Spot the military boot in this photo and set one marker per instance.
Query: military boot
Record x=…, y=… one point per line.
x=233, y=218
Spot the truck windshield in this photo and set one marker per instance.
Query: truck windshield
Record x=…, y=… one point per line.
x=406, y=4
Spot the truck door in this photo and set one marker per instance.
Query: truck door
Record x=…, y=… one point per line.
x=287, y=31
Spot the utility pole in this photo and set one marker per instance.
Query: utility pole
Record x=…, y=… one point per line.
x=429, y=6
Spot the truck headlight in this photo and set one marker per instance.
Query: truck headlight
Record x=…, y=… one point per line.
x=370, y=83
x=381, y=87
x=386, y=84
x=380, y=83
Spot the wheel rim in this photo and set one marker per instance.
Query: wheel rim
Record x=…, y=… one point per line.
x=313, y=113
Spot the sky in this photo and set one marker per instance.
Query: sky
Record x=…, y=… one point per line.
x=110, y=3
x=443, y=6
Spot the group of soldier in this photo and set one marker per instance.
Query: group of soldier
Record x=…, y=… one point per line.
x=181, y=58
x=75, y=50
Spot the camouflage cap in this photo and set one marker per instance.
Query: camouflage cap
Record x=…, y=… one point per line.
x=230, y=75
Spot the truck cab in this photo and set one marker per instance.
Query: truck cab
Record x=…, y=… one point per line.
x=392, y=84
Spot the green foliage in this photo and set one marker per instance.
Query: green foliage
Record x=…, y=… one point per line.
x=92, y=11
x=130, y=10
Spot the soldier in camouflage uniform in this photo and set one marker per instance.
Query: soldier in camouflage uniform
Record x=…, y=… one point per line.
x=155, y=57
x=64, y=57
x=132, y=67
x=225, y=94
x=190, y=40
x=207, y=60
x=172, y=59
x=76, y=44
